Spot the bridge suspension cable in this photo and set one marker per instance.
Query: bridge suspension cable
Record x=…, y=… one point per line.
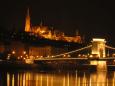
x=109, y=47
x=74, y=51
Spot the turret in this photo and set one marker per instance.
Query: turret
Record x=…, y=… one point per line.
x=27, y=22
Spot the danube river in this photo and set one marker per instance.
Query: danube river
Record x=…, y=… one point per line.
x=76, y=78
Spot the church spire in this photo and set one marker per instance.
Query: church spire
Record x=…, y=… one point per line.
x=27, y=22
x=41, y=23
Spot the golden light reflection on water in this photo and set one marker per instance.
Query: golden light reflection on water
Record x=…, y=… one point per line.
x=59, y=79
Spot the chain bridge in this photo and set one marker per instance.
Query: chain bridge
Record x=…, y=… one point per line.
x=97, y=55
x=98, y=51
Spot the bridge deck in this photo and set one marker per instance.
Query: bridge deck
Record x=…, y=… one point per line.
x=58, y=59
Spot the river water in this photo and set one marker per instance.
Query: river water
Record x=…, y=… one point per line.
x=75, y=78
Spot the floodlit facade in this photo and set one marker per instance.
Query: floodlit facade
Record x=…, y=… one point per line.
x=48, y=32
x=40, y=51
x=98, y=47
x=46, y=51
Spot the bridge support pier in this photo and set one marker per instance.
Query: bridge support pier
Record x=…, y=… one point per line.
x=98, y=50
x=101, y=65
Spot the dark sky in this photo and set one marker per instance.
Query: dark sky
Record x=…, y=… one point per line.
x=93, y=18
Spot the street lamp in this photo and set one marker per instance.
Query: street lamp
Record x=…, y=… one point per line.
x=24, y=52
x=13, y=52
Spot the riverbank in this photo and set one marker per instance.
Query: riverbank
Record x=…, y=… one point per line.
x=18, y=65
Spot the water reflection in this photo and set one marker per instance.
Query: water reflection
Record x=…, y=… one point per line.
x=29, y=78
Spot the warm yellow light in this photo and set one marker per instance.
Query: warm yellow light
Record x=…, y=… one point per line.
x=24, y=52
x=41, y=56
x=13, y=52
x=52, y=56
x=93, y=62
x=98, y=39
x=68, y=55
x=29, y=61
x=79, y=55
x=101, y=65
x=91, y=56
x=48, y=56
x=18, y=57
x=64, y=55
x=42, y=31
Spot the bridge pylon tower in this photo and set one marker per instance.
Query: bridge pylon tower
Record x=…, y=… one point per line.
x=98, y=47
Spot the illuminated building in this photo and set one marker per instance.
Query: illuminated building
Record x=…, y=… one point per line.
x=39, y=51
x=48, y=33
x=21, y=50
x=46, y=51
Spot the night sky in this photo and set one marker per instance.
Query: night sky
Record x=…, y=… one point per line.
x=93, y=18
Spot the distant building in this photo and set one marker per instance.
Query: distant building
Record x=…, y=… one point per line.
x=39, y=51
x=46, y=51
x=21, y=50
x=48, y=33
x=18, y=48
